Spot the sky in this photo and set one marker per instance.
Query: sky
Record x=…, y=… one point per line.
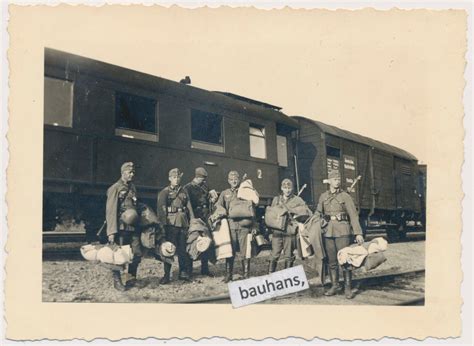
x=381, y=74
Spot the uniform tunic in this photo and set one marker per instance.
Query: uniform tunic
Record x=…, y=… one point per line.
x=174, y=212
x=239, y=229
x=284, y=242
x=343, y=222
x=120, y=197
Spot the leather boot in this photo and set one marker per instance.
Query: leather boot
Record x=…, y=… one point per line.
x=166, y=278
x=348, y=284
x=246, y=268
x=334, y=276
x=118, y=284
x=132, y=274
x=205, y=268
x=229, y=268
x=272, y=266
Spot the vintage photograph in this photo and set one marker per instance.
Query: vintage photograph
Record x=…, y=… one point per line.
x=160, y=191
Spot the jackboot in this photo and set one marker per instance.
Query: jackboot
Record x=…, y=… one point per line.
x=132, y=276
x=334, y=276
x=272, y=266
x=246, y=268
x=205, y=268
x=348, y=284
x=289, y=263
x=118, y=284
x=229, y=268
x=166, y=278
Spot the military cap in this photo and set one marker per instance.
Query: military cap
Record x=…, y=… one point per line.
x=200, y=173
x=233, y=174
x=334, y=175
x=127, y=166
x=174, y=171
x=286, y=182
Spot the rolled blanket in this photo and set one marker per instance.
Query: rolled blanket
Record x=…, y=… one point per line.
x=89, y=251
x=377, y=245
x=354, y=255
x=247, y=192
x=118, y=255
x=222, y=241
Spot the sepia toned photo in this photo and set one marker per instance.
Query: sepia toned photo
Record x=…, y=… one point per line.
x=158, y=191
x=275, y=172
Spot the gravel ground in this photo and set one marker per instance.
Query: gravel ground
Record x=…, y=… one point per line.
x=82, y=281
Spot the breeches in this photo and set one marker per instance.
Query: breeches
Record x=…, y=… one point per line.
x=177, y=236
x=332, y=246
x=283, y=244
x=238, y=238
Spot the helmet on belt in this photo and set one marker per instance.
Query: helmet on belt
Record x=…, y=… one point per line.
x=129, y=217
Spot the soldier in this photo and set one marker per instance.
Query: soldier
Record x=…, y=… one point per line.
x=338, y=210
x=201, y=199
x=239, y=229
x=284, y=242
x=122, y=222
x=174, y=212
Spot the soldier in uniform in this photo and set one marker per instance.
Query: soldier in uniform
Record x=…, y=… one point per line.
x=122, y=222
x=339, y=212
x=284, y=242
x=201, y=199
x=239, y=229
x=174, y=212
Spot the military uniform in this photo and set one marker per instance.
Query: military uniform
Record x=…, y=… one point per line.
x=283, y=242
x=200, y=202
x=122, y=197
x=239, y=229
x=174, y=213
x=339, y=212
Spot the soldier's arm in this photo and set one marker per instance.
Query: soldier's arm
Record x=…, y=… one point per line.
x=161, y=206
x=189, y=206
x=320, y=206
x=220, y=201
x=353, y=214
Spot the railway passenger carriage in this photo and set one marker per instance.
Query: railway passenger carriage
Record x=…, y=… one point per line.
x=97, y=116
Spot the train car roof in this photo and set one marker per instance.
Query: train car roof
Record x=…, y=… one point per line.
x=228, y=101
x=335, y=131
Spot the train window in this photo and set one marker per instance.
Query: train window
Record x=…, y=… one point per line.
x=58, y=97
x=206, y=131
x=334, y=152
x=257, y=141
x=135, y=117
x=282, y=151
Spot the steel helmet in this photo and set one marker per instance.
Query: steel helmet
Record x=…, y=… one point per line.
x=129, y=217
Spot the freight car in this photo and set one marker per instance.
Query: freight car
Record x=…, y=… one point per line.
x=97, y=116
x=390, y=191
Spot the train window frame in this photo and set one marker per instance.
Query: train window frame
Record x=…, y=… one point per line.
x=132, y=133
x=256, y=135
x=70, y=112
x=200, y=143
x=282, y=158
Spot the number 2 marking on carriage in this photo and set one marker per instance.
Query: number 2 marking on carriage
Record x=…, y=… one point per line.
x=265, y=287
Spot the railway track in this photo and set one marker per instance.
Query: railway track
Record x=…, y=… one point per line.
x=395, y=288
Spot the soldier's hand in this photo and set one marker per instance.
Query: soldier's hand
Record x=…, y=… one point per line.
x=111, y=238
x=359, y=239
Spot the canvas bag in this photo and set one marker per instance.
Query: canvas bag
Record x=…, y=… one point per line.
x=276, y=217
x=241, y=209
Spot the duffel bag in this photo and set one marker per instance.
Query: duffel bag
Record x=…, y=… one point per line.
x=276, y=217
x=241, y=209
